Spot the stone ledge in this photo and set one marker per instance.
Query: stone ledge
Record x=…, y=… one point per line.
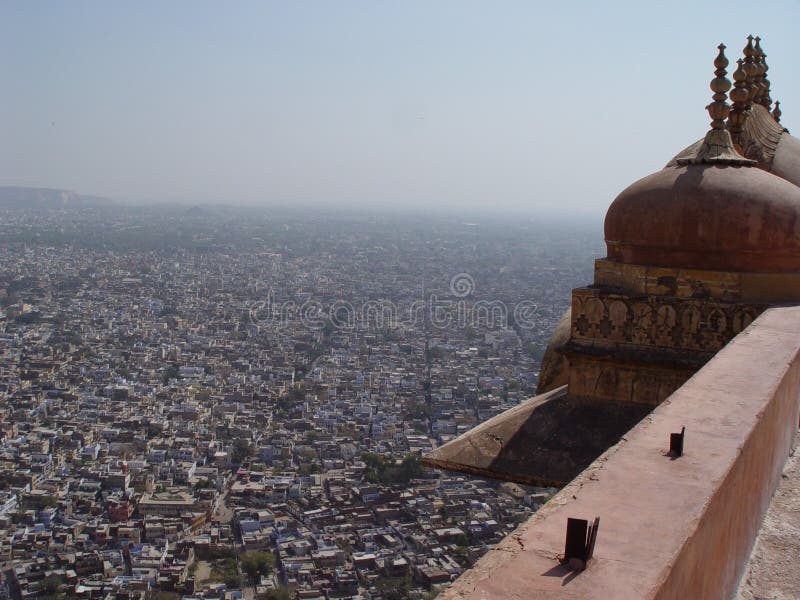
x=670, y=528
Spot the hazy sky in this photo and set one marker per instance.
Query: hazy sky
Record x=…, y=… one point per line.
x=499, y=105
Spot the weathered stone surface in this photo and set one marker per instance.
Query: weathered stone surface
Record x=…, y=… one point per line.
x=554, y=371
x=786, y=163
x=761, y=136
x=637, y=347
x=764, y=140
x=772, y=569
x=664, y=281
x=545, y=441
x=693, y=324
x=707, y=217
x=629, y=377
x=696, y=283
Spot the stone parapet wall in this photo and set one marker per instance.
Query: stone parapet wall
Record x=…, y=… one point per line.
x=670, y=527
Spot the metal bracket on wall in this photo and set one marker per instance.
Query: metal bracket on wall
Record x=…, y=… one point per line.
x=581, y=538
x=676, y=442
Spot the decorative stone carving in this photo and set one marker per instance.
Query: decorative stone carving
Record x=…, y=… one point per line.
x=658, y=321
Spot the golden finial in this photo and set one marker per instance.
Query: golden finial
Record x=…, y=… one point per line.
x=738, y=95
x=750, y=68
x=717, y=147
x=777, y=112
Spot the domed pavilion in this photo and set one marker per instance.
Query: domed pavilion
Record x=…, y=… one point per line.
x=695, y=252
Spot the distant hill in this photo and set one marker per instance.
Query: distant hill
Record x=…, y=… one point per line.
x=25, y=197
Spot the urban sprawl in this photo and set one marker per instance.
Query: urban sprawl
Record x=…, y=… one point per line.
x=224, y=403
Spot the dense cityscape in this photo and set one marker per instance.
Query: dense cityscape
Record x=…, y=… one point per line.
x=375, y=301
x=217, y=402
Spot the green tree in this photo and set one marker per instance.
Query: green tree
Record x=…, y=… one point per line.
x=172, y=372
x=394, y=588
x=227, y=571
x=204, y=484
x=280, y=593
x=49, y=502
x=51, y=587
x=241, y=450
x=257, y=564
x=410, y=468
x=380, y=470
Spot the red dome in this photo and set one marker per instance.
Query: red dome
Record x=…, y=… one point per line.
x=714, y=217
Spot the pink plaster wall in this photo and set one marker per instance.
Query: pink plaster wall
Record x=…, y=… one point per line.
x=712, y=561
x=670, y=528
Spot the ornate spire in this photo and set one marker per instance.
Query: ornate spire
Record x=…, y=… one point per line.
x=759, y=72
x=720, y=85
x=739, y=96
x=766, y=100
x=717, y=147
x=750, y=69
x=763, y=82
x=777, y=112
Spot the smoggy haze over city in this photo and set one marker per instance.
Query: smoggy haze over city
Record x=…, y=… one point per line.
x=513, y=106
